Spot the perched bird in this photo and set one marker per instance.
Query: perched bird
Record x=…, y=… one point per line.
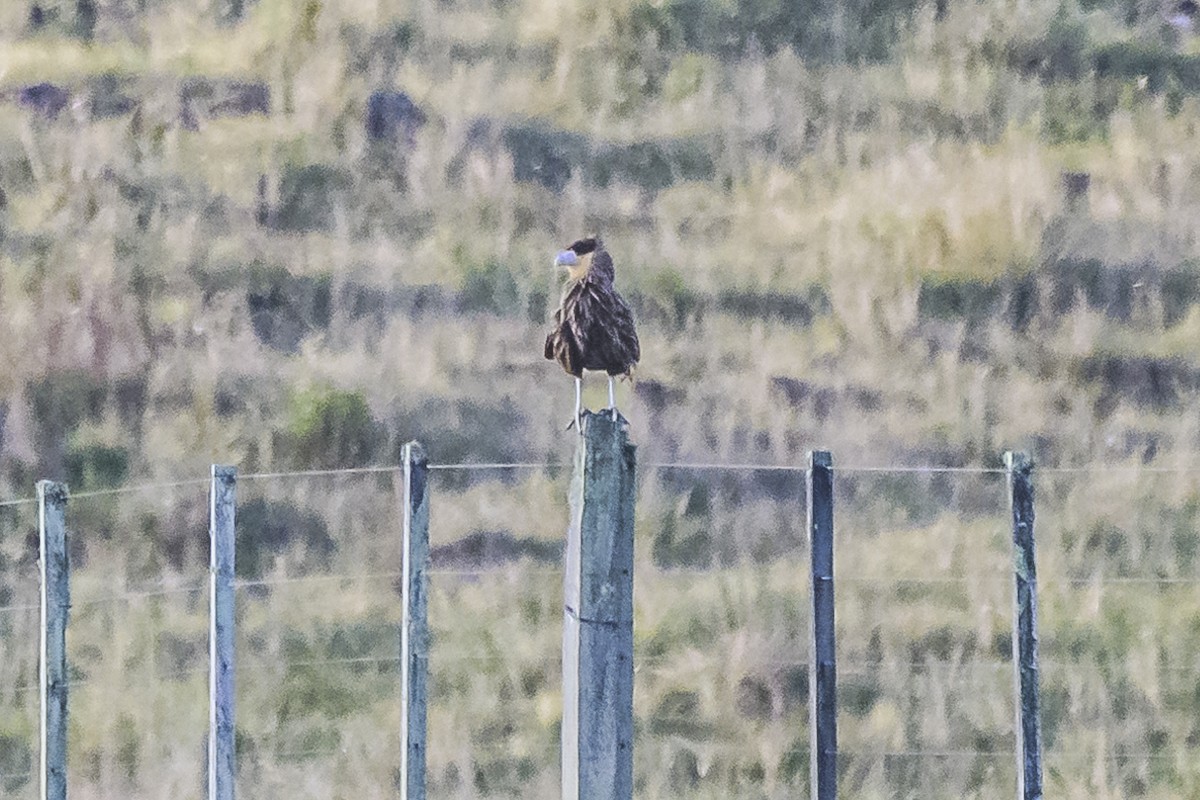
x=593, y=326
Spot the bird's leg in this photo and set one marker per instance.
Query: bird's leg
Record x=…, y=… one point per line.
x=612, y=398
x=578, y=418
x=579, y=402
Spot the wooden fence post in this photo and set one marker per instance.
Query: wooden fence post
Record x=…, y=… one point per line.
x=414, y=633
x=56, y=605
x=1025, y=654
x=822, y=671
x=221, y=754
x=597, y=725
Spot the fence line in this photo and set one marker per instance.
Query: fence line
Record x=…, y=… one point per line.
x=682, y=465
x=498, y=465
x=844, y=667
x=21, y=501
x=703, y=746
x=14, y=609
x=365, y=576
x=139, y=488
x=317, y=473
x=881, y=754
x=597, y=725
x=513, y=567
x=133, y=596
x=442, y=656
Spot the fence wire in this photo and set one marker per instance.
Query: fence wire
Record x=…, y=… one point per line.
x=921, y=469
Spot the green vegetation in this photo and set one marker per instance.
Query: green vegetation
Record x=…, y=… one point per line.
x=907, y=232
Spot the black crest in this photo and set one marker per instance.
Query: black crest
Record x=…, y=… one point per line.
x=583, y=246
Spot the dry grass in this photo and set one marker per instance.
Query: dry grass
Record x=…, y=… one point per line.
x=851, y=273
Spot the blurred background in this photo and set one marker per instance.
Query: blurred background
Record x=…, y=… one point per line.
x=294, y=234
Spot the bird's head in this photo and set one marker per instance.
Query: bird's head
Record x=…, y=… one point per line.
x=578, y=257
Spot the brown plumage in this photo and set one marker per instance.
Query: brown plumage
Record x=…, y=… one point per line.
x=593, y=326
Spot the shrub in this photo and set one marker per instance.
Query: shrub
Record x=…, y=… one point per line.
x=329, y=428
x=825, y=31
x=490, y=289
x=16, y=762
x=96, y=466
x=266, y=529
x=284, y=308
x=307, y=196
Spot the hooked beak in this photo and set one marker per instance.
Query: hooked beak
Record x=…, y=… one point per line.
x=566, y=258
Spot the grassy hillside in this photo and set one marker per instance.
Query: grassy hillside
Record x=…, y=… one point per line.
x=909, y=233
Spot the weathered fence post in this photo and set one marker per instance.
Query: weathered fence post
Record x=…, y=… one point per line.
x=1025, y=655
x=597, y=725
x=822, y=672
x=56, y=605
x=221, y=755
x=414, y=634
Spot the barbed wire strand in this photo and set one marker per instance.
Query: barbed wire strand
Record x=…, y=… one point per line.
x=247, y=583
x=749, y=752
x=992, y=753
x=859, y=754
x=497, y=465
x=503, y=570
x=129, y=597
x=471, y=573
x=921, y=469
x=515, y=569
x=170, y=582
x=14, y=609
x=141, y=487
x=350, y=577
x=20, y=501
x=443, y=656
x=318, y=473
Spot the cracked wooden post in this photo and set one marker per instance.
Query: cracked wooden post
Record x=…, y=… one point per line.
x=221, y=727
x=1025, y=653
x=56, y=606
x=414, y=633
x=822, y=671
x=597, y=725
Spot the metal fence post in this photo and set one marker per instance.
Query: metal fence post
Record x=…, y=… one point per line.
x=221, y=755
x=56, y=605
x=1025, y=652
x=414, y=633
x=597, y=726
x=822, y=671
